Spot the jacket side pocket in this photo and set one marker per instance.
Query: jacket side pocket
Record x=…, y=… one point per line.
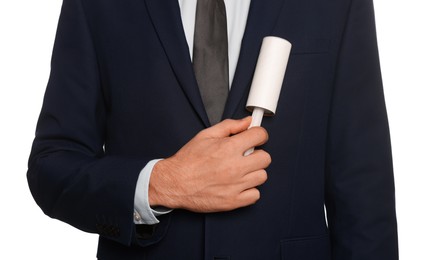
x=306, y=248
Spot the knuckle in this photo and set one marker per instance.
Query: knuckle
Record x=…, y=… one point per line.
x=230, y=143
x=230, y=170
x=225, y=169
x=233, y=145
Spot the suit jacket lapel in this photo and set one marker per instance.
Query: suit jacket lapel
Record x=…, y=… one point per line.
x=165, y=15
x=262, y=18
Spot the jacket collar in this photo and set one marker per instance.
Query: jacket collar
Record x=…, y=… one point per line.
x=165, y=15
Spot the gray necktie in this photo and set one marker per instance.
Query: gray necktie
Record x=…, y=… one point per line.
x=210, y=56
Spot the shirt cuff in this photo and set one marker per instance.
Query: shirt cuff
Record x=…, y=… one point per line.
x=143, y=213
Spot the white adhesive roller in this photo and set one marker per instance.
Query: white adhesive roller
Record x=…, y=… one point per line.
x=267, y=80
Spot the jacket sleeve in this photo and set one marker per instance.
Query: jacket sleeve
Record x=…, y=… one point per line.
x=360, y=198
x=70, y=176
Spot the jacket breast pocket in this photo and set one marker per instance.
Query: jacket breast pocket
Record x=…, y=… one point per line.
x=306, y=248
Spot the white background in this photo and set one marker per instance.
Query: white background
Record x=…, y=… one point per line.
x=27, y=30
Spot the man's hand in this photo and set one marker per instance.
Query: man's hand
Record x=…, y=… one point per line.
x=210, y=173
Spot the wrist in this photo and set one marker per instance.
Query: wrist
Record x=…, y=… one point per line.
x=162, y=186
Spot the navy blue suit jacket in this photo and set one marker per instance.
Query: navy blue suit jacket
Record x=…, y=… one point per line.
x=122, y=92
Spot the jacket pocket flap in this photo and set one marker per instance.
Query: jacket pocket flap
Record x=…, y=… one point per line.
x=314, y=248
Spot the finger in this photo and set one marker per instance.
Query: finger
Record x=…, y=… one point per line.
x=261, y=156
x=248, y=197
x=254, y=179
x=253, y=137
x=259, y=159
x=228, y=127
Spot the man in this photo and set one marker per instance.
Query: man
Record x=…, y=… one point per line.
x=123, y=93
